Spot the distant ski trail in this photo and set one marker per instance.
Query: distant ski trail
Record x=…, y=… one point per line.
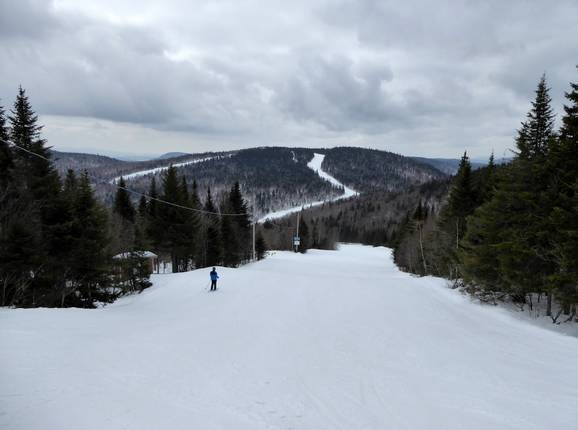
x=315, y=165
x=162, y=168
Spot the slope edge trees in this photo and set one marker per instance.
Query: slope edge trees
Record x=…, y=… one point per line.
x=57, y=241
x=52, y=238
x=511, y=231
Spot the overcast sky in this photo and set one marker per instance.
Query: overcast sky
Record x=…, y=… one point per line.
x=430, y=78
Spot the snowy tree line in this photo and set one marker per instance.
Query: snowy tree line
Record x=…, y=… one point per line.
x=374, y=218
x=57, y=240
x=511, y=231
x=188, y=232
x=271, y=178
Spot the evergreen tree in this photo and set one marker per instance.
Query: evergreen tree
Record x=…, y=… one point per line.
x=142, y=208
x=70, y=184
x=488, y=182
x=230, y=243
x=122, y=204
x=154, y=227
x=563, y=220
x=462, y=198
x=90, y=266
x=213, y=243
x=185, y=198
x=37, y=196
x=170, y=218
x=260, y=246
x=195, y=226
x=451, y=226
x=304, y=242
x=41, y=177
x=210, y=205
x=195, y=201
x=179, y=225
x=537, y=131
x=18, y=261
x=241, y=222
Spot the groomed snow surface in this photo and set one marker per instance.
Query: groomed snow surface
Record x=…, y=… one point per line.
x=327, y=340
x=315, y=165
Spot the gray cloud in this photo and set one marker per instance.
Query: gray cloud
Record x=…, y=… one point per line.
x=413, y=77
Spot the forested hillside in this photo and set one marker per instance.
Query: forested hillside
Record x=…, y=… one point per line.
x=272, y=178
x=368, y=170
x=102, y=168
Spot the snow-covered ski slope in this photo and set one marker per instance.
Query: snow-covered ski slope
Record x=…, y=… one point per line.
x=314, y=164
x=163, y=168
x=327, y=340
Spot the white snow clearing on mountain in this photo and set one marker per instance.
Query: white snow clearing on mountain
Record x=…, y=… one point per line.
x=315, y=165
x=326, y=340
x=163, y=168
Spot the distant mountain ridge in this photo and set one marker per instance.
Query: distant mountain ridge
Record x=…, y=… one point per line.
x=272, y=178
x=449, y=166
x=168, y=155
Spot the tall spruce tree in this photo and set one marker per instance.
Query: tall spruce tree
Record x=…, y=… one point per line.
x=123, y=206
x=154, y=227
x=38, y=197
x=213, y=243
x=487, y=182
x=451, y=225
x=193, y=224
x=230, y=243
x=462, y=198
x=260, y=246
x=90, y=266
x=179, y=226
x=39, y=173
x=537, y=131
x=563, y=162
x=241, y=222
x=305, y=240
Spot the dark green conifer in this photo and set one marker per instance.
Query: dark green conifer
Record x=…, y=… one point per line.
x=90, y=265
x=537, y=131
x=260, y=246
x=563, y=192
x=142, y=207
x=304, y=239
x=122, y=203
x=241, y=222
x=213, y=241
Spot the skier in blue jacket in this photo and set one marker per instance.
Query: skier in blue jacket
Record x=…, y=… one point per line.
x=214, y=277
